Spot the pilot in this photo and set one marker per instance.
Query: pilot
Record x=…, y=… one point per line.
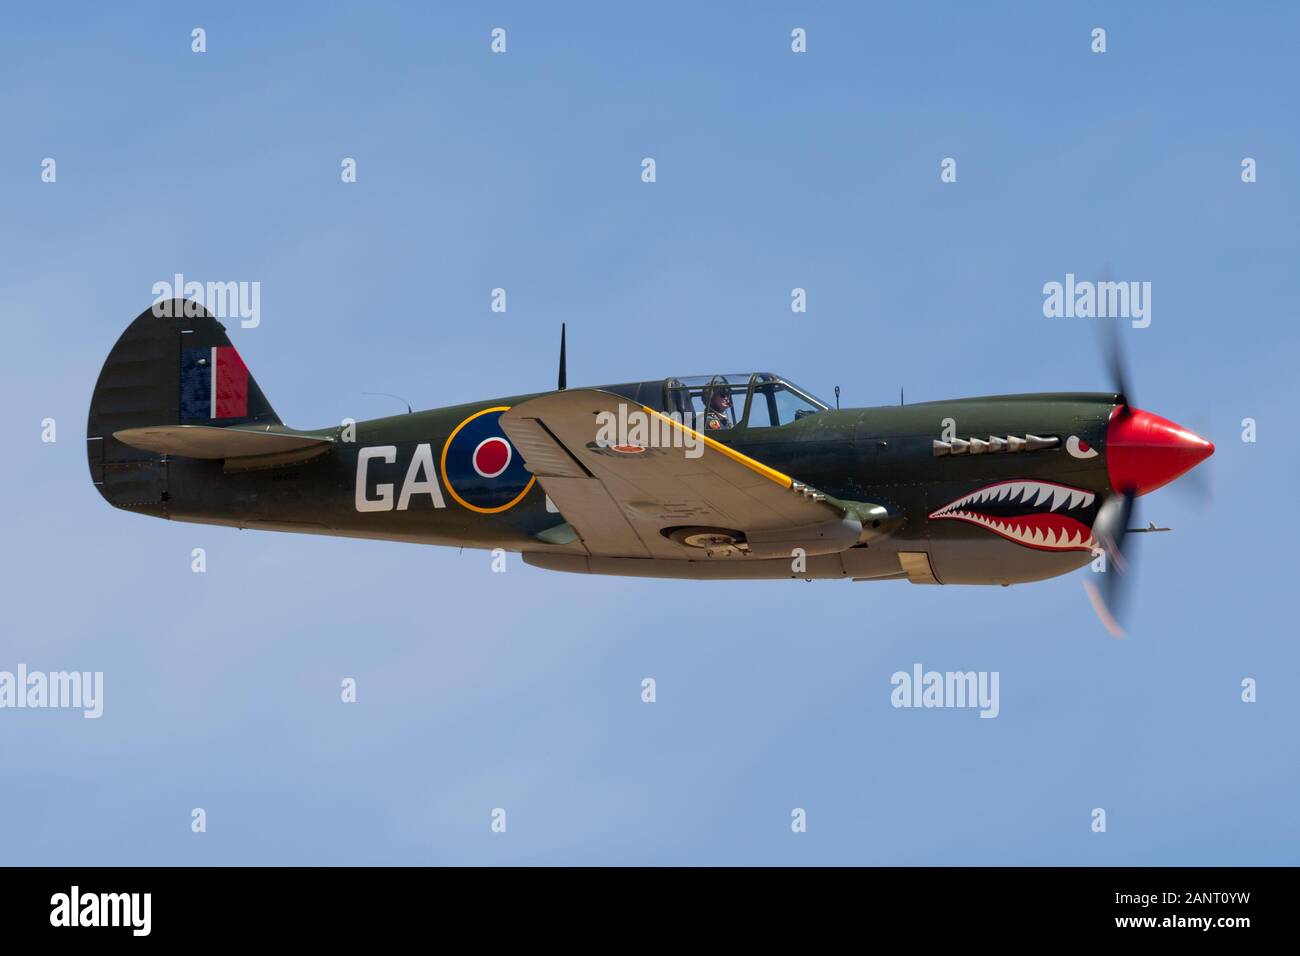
x=718, y=414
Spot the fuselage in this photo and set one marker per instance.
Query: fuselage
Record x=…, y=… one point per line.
x=403, y=478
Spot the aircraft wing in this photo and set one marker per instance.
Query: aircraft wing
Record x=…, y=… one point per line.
x=620, y=501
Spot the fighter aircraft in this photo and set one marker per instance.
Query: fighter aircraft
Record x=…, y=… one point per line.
x=709, y=477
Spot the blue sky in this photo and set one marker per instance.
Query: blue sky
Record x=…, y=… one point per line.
x=775, y=170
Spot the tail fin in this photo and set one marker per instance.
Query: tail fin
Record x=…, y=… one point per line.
x=165, y=371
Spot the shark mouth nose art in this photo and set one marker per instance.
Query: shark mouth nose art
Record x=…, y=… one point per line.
x=1035, y=514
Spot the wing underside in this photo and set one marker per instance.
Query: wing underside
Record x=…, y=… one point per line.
x=624, y=500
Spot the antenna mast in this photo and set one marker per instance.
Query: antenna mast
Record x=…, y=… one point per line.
x=564, y=378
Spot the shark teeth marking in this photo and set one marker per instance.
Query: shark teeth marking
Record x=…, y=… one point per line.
x=1030, y=493
x=1049, y=539
x=1045, y=525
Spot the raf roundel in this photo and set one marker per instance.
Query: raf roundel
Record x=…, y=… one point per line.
x=480, y=467
x=492, y=457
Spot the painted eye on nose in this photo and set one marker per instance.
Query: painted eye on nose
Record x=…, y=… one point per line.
x=1079, y=448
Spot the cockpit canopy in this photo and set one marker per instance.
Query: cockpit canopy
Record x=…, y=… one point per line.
x=754, y=400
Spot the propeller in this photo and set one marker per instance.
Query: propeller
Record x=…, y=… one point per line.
x=1111, y=531
x=1117, y=512
x=1116, y=366
x=1143, y=452
x=1112, y=353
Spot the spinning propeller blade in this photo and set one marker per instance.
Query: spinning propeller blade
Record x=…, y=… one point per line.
x=1143, y=452
x=1111, y=529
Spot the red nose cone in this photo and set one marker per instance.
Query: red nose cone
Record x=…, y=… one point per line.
x=1145, y=452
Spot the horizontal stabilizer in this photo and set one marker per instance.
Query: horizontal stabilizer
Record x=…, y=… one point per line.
x=207, y=441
